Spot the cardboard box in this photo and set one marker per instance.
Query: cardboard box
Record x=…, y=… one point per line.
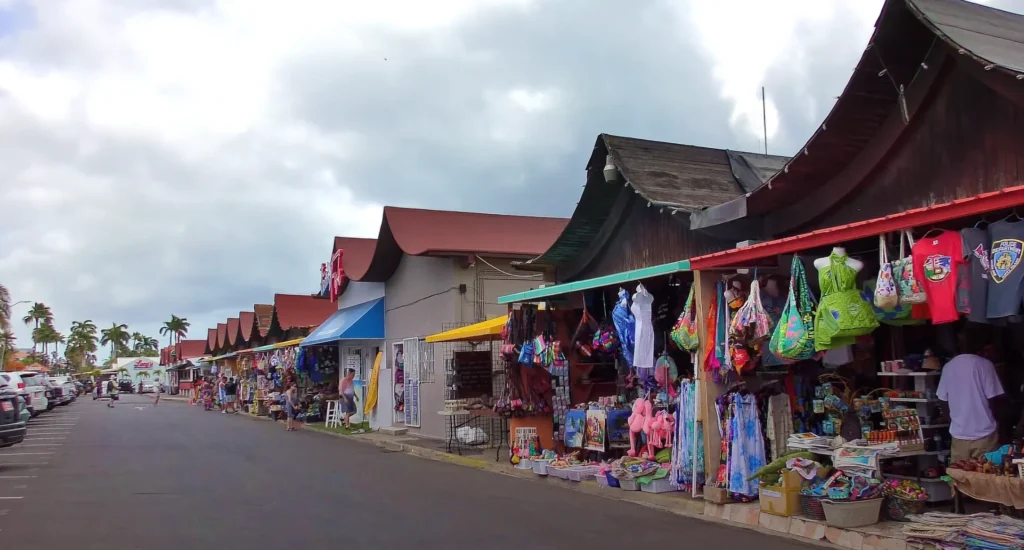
x=716, y=495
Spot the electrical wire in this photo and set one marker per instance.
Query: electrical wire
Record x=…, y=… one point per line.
x=427, y=297
x=530, y=276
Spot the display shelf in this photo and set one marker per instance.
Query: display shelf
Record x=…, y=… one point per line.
x=933, y=426
x=912, y=400
x=915, y=374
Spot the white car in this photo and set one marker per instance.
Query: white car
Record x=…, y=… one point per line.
x=31, y=388
x=70, y=390
x=147, y=387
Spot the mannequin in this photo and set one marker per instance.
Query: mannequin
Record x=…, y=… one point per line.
x=822, y=263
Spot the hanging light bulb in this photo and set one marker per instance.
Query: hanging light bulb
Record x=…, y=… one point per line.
x=611, y=173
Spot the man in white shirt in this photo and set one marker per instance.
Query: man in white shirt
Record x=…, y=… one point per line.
x=970, y=385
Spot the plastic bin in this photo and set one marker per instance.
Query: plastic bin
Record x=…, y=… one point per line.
x=579, y=473
x=663, y=485
x=540, y=467
x=556, y=472
x=779, y=501
x=524, y=464
x=606, y=480
x=629, y=485
x=853, y=513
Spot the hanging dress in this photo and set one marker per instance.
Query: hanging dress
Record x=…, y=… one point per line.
x=688, y=451
x=746, y=454
x=625, y=325
x=643, y=350
x=842, y=314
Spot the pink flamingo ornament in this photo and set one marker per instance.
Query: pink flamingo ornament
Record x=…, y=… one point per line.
x=637, y=420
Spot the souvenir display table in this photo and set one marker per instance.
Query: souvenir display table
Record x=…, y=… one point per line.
x=999, y=489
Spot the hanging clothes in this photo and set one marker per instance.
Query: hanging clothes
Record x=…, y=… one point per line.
x=842, y=314
x=780, y=424
x=746, y=453
x=625, y=325
x=688, y=448
x=643, y=351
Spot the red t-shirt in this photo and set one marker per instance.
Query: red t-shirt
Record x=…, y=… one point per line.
x=936, y=259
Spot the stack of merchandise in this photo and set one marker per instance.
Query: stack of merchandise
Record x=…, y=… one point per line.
x=938, y=528
x=994, y=532
x=810, y=442
x=560, y=400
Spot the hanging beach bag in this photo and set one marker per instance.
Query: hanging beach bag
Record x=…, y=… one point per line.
x=910, y=289
x=684, y=334
x=751, y=325
x=886, y=295
x=793, y=339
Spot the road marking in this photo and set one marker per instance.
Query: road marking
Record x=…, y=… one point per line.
x=45, y=438
x=51, y=432
x=24, y=454
x=40, y=445
x=11, y=498
x=2, y=464
x=17, y=477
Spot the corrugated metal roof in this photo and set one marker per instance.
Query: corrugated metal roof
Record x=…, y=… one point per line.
x=927, y=216
x=994, y=37
x=417, y=232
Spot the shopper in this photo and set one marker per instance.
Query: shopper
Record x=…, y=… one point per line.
x=971, y=387
x=111, y=392
x=291, y=406
x=347, y=388
x=221, y=393
x=231, y=393
x=158, y=388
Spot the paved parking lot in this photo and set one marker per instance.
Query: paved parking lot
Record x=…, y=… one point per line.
x=22, y=464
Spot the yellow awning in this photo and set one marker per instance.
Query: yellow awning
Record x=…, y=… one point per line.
x=289, y=343
x=480, y=332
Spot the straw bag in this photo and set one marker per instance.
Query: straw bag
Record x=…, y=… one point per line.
x=793, y=339
x=886, y=294
x=684, y=334
x=910, y=289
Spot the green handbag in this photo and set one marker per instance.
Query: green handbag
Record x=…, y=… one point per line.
x=793, y=339
x=684, y=334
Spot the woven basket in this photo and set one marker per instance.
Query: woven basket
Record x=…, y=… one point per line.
x=898, y=508
x=811, y=506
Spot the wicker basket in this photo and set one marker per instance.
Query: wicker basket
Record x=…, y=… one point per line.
x=898, y=508
x=811, y=506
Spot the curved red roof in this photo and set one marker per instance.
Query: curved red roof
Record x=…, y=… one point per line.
x=358, y=253
x=189, y=349
x=245, y=324
x=222, y=335
x=302, y=310
x=263, y=314
x=211, y=340
x=418, y=232
x=232, y=334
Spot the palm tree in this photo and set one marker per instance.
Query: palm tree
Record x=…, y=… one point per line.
x=175, y=329
x=39, y=312
x=7, y=339
x=123, y=372
x=144, y=374
x=117, y=336
x=86, y=327
x=5, y=308
x=45, y=334
x=158, y=374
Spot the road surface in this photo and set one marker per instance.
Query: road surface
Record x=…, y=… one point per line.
x=176, y=477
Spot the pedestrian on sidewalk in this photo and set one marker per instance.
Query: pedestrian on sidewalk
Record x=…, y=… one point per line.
x=347, y=388
x=111, y=392
x=291, y=406
x=231, y=394
x=157, y=389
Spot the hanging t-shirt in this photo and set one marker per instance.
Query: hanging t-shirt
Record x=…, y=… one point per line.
x=936, y=258
x=1005, y=274
x=972, y=297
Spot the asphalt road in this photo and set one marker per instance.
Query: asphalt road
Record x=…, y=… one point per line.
x=176, y=477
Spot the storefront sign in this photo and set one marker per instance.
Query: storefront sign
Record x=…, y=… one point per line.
x=144, y=364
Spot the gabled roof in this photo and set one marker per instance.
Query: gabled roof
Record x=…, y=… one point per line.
x=222, y=335
x=911, y=41
x=418, y=232
x=245, y=325
x=232, y=330
x=165, y=355
x=263, y=314
x=211, y=339
x=357, y=253
x=301, y=311
x=681, y=178
x=188, y=349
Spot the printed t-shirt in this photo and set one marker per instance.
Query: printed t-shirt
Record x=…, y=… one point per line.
x=1005, y=273
x=967, y=383
x=935, y=264
x=972, y=296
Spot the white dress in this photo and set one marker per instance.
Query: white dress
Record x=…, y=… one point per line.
x=643, y=350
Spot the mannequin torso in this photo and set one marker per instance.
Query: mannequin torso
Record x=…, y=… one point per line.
x=822, y=263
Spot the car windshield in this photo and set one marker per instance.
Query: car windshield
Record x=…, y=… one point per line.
x=31, y=381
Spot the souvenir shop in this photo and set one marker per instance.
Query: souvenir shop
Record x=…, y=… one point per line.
x=825, y=353
x=267, y=371
x=607, y=371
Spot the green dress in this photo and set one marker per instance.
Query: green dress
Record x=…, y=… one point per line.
x=842, y=314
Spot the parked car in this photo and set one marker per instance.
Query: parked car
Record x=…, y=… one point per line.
x=55, y=393
x=12, y=426
x=87, y=387
x=126, y=386
x=147, y=387
x=29, y=386
x=70, y=392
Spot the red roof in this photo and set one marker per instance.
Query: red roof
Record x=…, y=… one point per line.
x=418, y=232
x=222, y=334
x=927, y=216
x=165, y=355
x=245, y=322
x=211, y=339
x=232, y=330
x=189, y=349
x=264, y=313
x=358, y=253
x=302, y=310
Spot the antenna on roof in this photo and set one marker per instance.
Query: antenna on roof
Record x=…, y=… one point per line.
x=764, y=120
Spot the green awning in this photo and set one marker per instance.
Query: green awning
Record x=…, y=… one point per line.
x=264, y=348
x=596, y=282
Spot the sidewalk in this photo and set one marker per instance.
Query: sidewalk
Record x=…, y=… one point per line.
x=882, y=536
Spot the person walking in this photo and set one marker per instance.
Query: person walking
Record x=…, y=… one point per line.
x=231, y=395
x=347, y=388
x=158, y=388
x=291, y=406
x=111, y=392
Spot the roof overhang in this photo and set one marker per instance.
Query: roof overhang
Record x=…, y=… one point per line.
x=596, y=282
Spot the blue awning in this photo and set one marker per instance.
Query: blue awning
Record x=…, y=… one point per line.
x=363, y=321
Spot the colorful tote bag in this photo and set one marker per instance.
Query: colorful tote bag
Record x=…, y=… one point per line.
x=751, y=324
x=684, y=334
x=911, y=290
x=793, y=339
x=886, y=294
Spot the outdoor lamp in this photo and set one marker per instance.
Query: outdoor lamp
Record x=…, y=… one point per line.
x=611, y=173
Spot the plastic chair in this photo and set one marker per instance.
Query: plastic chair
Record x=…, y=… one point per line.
x=333, y=417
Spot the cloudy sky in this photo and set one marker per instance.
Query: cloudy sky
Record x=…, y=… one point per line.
x=196, y=156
